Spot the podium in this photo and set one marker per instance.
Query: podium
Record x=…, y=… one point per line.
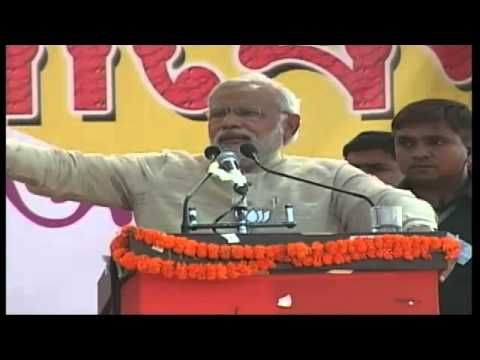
x=369, y=287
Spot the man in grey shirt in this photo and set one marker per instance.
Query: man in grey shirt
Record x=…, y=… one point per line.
x=253, y=109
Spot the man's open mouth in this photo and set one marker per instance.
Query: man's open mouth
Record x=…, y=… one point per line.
x=233, y=139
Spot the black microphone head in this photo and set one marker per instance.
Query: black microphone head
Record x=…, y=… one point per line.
x=211, y=152
x=248, y=150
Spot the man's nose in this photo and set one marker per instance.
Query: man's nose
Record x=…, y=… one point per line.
x=422, y=152
x=231, y=120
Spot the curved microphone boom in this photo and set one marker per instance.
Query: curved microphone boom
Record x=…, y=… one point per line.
x=211, y=153
x=250, y=151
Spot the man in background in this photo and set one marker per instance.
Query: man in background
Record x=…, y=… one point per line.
x=373, y=153
x=433, y=149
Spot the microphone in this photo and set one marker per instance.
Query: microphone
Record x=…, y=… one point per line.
x=211, y=153
x=228, y=162
x=250, y=151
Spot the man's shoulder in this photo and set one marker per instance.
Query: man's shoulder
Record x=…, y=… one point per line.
x=311, y=166
x=306, y=162
x=313, y=160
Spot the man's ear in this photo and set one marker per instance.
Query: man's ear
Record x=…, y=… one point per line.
x=290, y=127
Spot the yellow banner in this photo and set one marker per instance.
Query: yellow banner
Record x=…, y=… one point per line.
x=153, y=96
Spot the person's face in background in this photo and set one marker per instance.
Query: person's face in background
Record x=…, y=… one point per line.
x=430, y=152
x=377, y=162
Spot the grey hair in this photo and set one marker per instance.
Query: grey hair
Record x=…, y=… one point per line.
x=290, y=103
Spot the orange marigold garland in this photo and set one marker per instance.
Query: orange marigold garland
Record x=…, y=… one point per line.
x=247, y=260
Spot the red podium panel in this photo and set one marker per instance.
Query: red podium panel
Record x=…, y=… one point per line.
x=366, y=292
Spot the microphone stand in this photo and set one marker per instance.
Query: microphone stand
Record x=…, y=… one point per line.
x=241, y=212
x=210, y=153
x=186, y=218
x=190, y=223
